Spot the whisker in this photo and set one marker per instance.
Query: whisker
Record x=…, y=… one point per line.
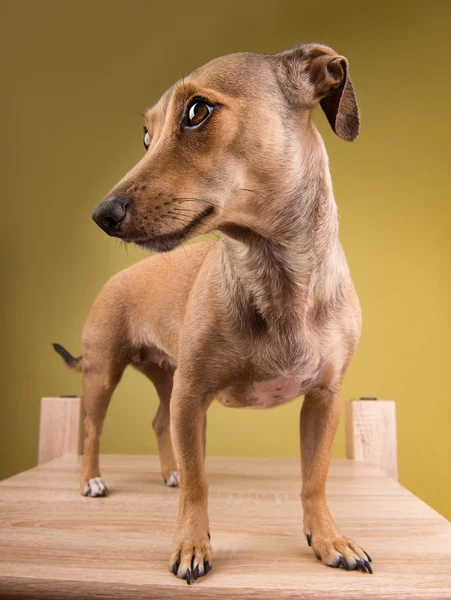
x=175, y=217
x=175, y=208
x=183, y=213
x=172, y=200
x=122, y=244
x=185, y=210
x=165, y=258
x=200, y=232
x=196, y=200
x=184, y=221
x=192, y=199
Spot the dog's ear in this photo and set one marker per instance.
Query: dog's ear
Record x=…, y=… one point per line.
x=317, y=73
x=330, y=75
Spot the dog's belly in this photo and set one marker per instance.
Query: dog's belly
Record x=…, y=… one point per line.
x=264, y=394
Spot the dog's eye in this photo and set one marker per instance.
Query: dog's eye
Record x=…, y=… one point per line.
x=146, y=139
x=198, y=112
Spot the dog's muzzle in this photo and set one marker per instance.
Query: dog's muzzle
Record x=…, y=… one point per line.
x=109, y=215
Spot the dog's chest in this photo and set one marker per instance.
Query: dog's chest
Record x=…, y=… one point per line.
x=264, y=394
x=274, y=376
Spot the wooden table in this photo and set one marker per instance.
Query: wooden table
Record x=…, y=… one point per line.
x=56, y=544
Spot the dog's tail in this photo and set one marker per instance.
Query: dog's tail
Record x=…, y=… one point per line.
x=73, y=363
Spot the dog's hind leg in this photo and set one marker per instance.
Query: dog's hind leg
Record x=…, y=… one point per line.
x=100, y=378
x=162, y=378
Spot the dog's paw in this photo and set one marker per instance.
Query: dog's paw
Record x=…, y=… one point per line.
x=190, y=561
x=339, y=552
x=95, y=488
x=173, y=480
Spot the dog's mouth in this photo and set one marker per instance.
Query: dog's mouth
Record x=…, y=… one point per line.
x=168, y=241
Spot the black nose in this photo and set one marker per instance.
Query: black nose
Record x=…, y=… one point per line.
x=110, y=214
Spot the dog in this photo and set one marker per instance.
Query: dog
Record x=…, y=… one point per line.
x=262, y=315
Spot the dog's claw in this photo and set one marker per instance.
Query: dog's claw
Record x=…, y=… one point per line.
x=95, y=488
x=173, y=480
x=368, y=567
x=359, y=565
x=368, y=556
x=337, y=564
x=190, y=563
x=337, y=551
x=364, y=564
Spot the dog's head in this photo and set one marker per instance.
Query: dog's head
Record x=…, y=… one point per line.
x=223, y=140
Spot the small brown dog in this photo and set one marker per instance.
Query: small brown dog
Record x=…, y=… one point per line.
x=266, y=313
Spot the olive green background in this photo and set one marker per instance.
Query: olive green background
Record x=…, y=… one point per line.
x=74, y=77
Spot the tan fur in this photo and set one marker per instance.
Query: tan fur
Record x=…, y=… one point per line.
x=264, y=314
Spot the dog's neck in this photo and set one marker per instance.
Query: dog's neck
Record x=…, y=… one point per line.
x=284, y=256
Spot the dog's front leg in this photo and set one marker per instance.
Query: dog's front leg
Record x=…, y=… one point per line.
x=319, y=420
x=191, y=556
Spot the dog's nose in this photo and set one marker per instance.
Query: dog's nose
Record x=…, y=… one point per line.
x=110, y=214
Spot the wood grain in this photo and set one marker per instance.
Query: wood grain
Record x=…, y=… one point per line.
x=61, y=428
x=371, y=434
x=56, y=544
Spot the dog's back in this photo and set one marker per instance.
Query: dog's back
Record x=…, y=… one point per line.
x=132, y=313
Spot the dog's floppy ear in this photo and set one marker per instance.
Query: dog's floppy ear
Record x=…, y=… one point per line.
x=330, y=74
x=319, y=74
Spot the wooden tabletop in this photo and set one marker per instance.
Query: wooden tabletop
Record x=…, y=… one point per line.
x=56, y=544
